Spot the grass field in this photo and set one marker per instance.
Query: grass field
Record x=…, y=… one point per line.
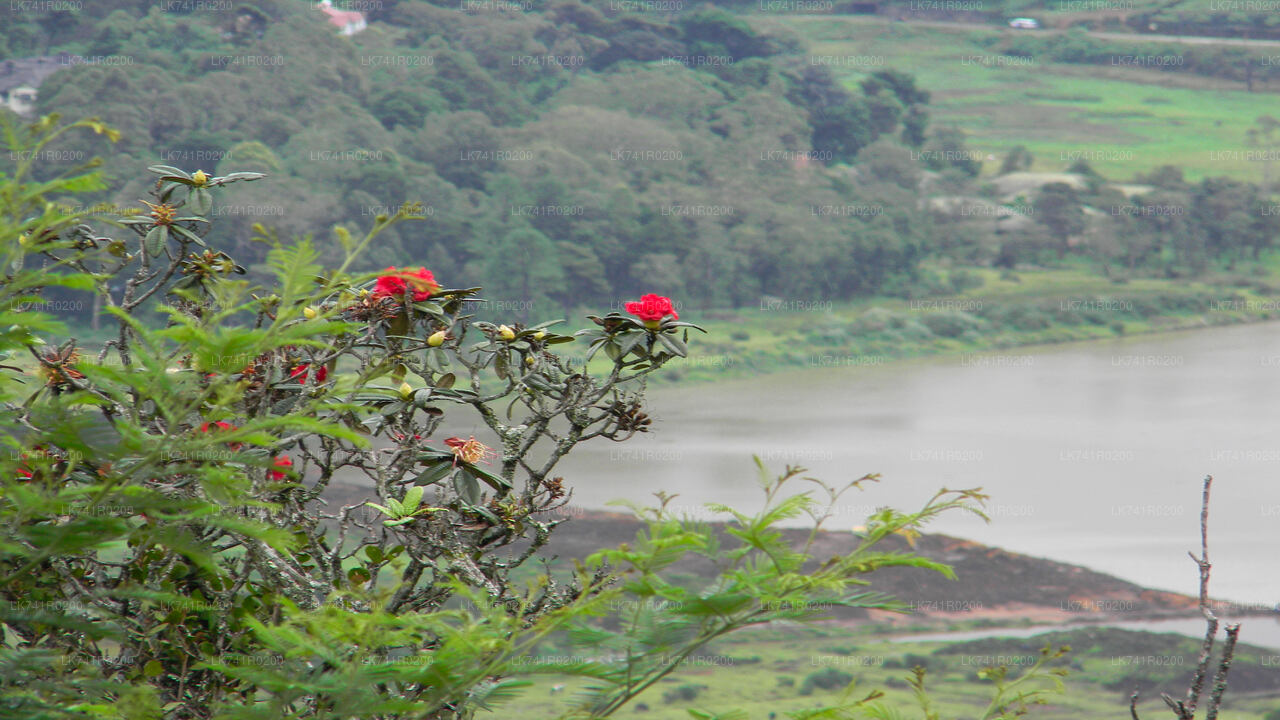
x=763, y=672
x=1122, y=119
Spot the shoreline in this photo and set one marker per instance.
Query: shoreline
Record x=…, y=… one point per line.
x=709, y=368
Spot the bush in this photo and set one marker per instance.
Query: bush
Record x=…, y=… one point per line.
x=825, y=679
x=951, y=323
x=683, y=693
x=962, y=280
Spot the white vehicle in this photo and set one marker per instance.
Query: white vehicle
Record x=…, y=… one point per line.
x=1024, y=23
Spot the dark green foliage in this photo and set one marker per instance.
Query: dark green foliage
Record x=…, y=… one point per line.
x=617, y=145
x=1019, y=158
x=825, y=679
x=946, y=149
x=682, y=693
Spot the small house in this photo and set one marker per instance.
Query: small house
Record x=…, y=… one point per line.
x=20, y=79
x=348, y=22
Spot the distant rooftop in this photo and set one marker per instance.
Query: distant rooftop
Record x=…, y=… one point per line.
x=349, y=22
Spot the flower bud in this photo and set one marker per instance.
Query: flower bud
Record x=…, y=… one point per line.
x=309, y=313
x=199, y=178
x=540, y=335
x=528, y=360
x=506, y=333
x=437, y=338
x=406, y=391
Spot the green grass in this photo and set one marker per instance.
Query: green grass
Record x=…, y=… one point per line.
x=1123, y=120
x=762, y=671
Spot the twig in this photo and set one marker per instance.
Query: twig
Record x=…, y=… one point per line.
x=1220, y=680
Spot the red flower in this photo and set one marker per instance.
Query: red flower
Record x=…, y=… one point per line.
x=220, y=425
x=652, y=308
x=470, y=450
x=300, y=372
x=397, y=282
x=283, y=461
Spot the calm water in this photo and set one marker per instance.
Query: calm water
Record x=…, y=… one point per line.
x=1092, y=453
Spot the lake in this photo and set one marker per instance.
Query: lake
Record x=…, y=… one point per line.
x=1093, y=453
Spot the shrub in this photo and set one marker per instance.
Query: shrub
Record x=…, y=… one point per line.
x=825, y=679
x=962, y=280
x=682, y=693
x=950, y=323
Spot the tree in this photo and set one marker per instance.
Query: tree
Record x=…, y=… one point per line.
x=901, y=84
x=947, y=149
x=1016, y=160
x=915, y=125
x=584, y=279
x=526, y=269
x=840, y=131
x=1059, y=210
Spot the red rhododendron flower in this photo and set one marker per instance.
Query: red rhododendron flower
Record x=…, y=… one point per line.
x=220, y=425
x=398, y=281
x=283, y=461
x=300, y=373
x=652, y=308
x=470, y=450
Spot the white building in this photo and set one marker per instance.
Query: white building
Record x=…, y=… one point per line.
x=20, y=79
x=348, y=22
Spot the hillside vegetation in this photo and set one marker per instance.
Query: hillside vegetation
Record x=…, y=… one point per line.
x=568, y=154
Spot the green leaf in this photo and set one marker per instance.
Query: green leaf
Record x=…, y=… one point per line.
x=434, y=474
x=674, y=344
x=246, y=176
x=168, y=170
x=188, y=235
x=153, y=668
x=155, y=240
x=89, y=182
x=467, y=487
x=496, y=482
x=201, y=200
x=630, y=341
x=412, y=499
